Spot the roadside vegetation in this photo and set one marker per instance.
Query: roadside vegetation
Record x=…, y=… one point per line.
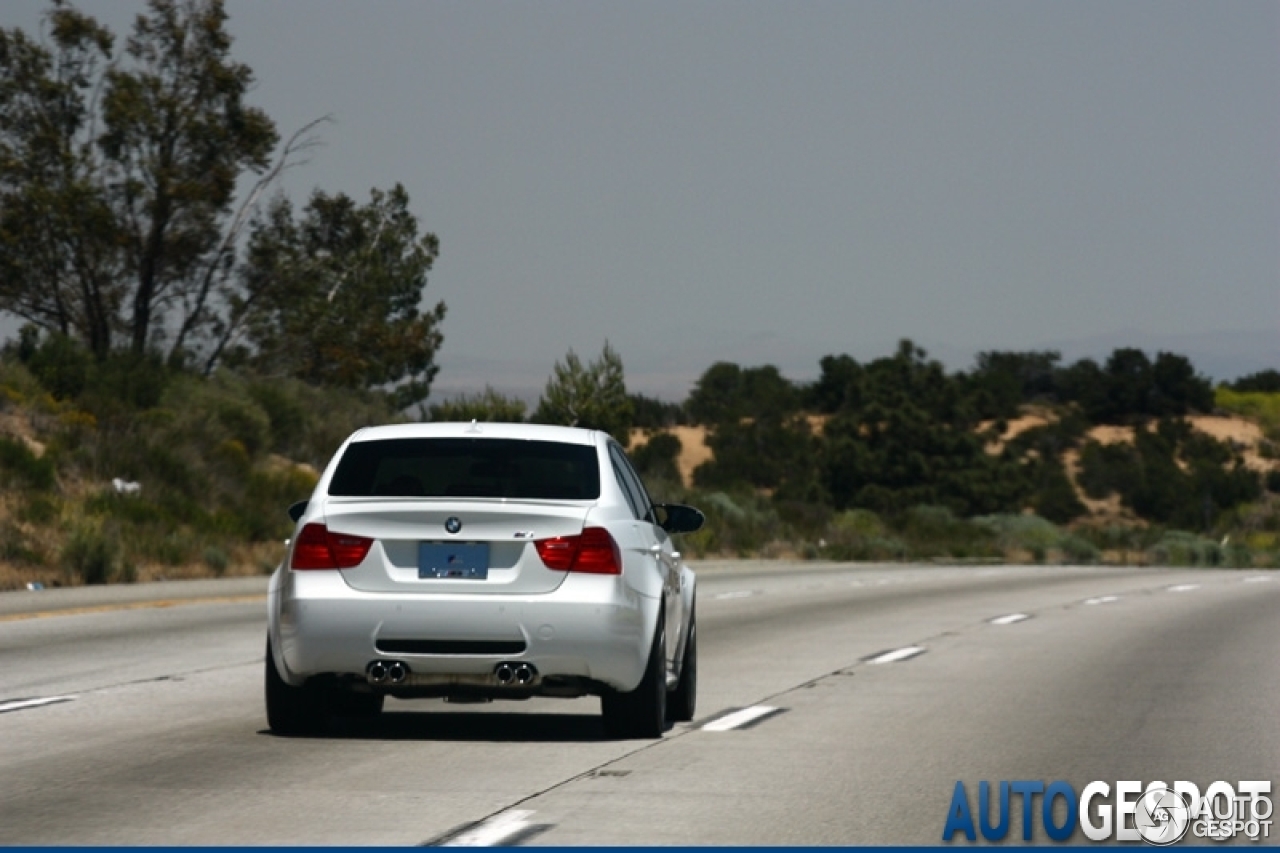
x=196, y=346
x=1132, y=461
x=123, y=469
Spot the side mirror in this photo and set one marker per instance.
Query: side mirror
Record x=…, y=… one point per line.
x=678, y=518
x=296, y=510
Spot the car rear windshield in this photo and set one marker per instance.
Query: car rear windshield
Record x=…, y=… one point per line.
x=467, y=468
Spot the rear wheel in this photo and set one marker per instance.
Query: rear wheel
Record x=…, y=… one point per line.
x=358, y=706
x=682, y=701
x=291, y=710
x=641, y=713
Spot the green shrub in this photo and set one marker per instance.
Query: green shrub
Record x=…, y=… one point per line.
x=125, y=381
x=740, y=525
x=488, y=406
x=1180, y=548
x=40, y=509
x=1170, y=475
x=1078, y=551
x=861, y=523
x=91, y=554
x=1237, y=555
x=656, y=458
x=286, y=415
x=1021, y=531
x=871, y=548
x=1055, y=498
x=1260, y=406
x=62, y=366
x=216, y=559
x=23, y=468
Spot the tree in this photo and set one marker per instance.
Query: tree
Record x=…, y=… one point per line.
x=331, y=297
x=839, y=384
x=651, y=413
x=1010, y=379
x=774, y=451
x=593, y=396
x=1132, y=388
x=904, y=436
x=657, y=459
x=1178, y=389
x=727, y=392
x=489, y=406
x=1266, y=381
x=1170, y=475
x=117, y=182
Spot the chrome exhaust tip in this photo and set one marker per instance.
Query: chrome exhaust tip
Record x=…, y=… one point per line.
x=505, y=673
x=376, y=672
x=524, y=673
x=397, y=672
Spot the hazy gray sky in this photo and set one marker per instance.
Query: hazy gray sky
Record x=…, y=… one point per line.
x=773, y=182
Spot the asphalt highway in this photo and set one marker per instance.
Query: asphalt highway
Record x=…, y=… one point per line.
x=838, y=704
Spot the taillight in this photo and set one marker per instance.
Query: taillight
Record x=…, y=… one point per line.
x=593, y=551
x=318, y=548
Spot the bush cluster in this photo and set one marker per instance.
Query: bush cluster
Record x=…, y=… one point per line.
x=216, y=460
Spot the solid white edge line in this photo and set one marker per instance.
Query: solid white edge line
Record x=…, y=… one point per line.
x=1258, y=579
x=898, y=654
x=742, y=593
x=1184, y=587
x=18, y=705
x=738, y=718
x=1104, y=599
x=1010, y=619
x=493, y=831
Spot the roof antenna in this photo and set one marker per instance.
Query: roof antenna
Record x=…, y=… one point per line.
x=474, y=426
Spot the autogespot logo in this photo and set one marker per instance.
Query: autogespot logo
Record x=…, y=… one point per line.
x=1158, y=814
x=1162, y=816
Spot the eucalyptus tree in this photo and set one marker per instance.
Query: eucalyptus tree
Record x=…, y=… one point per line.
x=119, y=170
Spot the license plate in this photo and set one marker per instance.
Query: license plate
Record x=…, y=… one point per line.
x=463, y=560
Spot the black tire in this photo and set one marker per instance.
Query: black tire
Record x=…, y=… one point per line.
x=683, y=701
x=292, y=710
x=356, y=706
x=641, y=713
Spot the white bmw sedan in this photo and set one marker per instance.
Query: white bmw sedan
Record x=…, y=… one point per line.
x=474, y=562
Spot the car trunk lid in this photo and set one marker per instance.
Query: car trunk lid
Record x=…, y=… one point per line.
x=454, y=545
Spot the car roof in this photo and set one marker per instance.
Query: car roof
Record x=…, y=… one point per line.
x=474, y=429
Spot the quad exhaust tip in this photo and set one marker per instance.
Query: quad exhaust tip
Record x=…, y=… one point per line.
x=394, y=672
x=387, y=672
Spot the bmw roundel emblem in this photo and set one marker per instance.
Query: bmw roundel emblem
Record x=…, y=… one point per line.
x=453, y=524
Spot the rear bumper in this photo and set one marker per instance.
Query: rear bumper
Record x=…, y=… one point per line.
x=593, y=628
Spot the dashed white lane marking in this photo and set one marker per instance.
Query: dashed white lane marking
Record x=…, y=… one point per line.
x=742, y=593
x=897, y=655
x=19, y=704
x=738, y=719
x=1104, y=599
x=1010, y=619
x=1184, y=587
x=1257, y=579
x=494, y=831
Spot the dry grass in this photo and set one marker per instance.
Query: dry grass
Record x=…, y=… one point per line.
x=1107, y=511
x=250, y=560
x=1244, y=436
x=1034, y=417
x=693, y=447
